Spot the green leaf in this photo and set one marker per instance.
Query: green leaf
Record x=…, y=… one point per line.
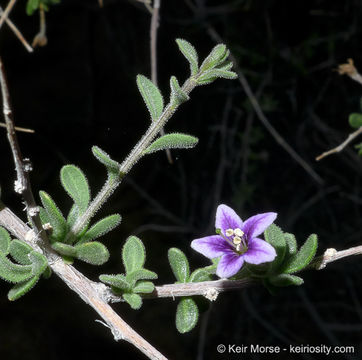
x=76, y=185
x=101, y=227
x=31, y=6
x=64, y=249
x=304, y=256
x=286, y=280
x=134, y=300
x=141, y=274
x=133, y=254
x=20, y=251
x=291, y=243
x=54, y=216
x=144, y=287
x=111, y=165
x=190, y=54
x=5, y=240
x=47, y=273
x=93, y=253
x=119, y=281
x=178, y=96
x=275, y=237
x=179, y=264
x=200, y=275
x=22, y=288
x=216, y=57
x=355, y=120
x=187, y=315
x=39, y=263
x=172, y=141
x=12, y=272
x=151, y=96
x=72, y=215
x=211, y=75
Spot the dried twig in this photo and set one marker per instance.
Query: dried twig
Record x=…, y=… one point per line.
x=17, y=128
x=153, y=35
x=6, y=12
x=350, y=70
x=340, y=147
x=22, y=166
x=40, y=39
x=16, y=31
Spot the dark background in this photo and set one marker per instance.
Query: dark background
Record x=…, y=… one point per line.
x=80, y=91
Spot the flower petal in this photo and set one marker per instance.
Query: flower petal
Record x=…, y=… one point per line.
x=211, y=246
x=229, y=265
x=256, y=225
x=227, y=218
x=259, y=251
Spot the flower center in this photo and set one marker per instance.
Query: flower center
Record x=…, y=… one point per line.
x=238, y=240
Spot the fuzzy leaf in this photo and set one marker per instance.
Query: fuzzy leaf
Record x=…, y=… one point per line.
x=134, y=300
x=144, y=287
x=200, y=275
x=100, y=228
x=179, y=264
x=190, y=54
x=93, y=253
x=104, y=158
x=64, y=249
x=291, y=243
x=20, y=251
x=38, y=263
x=178, y=96
x=141, y=274
x=355, y=120
x=133, y=254
x=187, y=315
x=216, y=57
x=172, y=141
x=47, y=273
x=4, y=241
x=22, y=288
x=54, y=216
x=211, y=75
x=12, y=272
x=286, y=280
x=275, y=237
x=151, y=96
x=303, y=257
x=72, y=215
x=76, y=185
x=119, y=281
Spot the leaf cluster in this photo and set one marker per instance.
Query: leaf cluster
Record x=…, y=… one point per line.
x=135, y=281
x=29, y=266
x=80, y=245
x=187, y=312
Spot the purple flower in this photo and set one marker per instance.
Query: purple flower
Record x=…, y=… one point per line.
x=236, y=241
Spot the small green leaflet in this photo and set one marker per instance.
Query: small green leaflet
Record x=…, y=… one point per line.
x=190, y=54
x=172, y=141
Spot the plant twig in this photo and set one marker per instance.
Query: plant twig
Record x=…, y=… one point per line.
x=6, y=12
x=22, y=166
x=260, y=114
x=17, y=128
x=155, y=19
x=340, y=147
x=350, y=70
x=90, y=292
x=40, y=39
x=16, y=31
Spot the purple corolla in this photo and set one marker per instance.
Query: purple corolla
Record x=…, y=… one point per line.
x=236, y=241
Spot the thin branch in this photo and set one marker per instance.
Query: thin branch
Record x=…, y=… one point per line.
x=22, y=166
x=21, y=129
x=16, y=31
x=89, y=291
x=6, y=12
x=155, y=19
x=40, y=39
x=350, y=70
x=340, y=147
x=260, y=114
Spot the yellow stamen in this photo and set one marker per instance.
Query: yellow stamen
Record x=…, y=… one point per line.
x=239, y=232
x=237, y=240
x=229, y=232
